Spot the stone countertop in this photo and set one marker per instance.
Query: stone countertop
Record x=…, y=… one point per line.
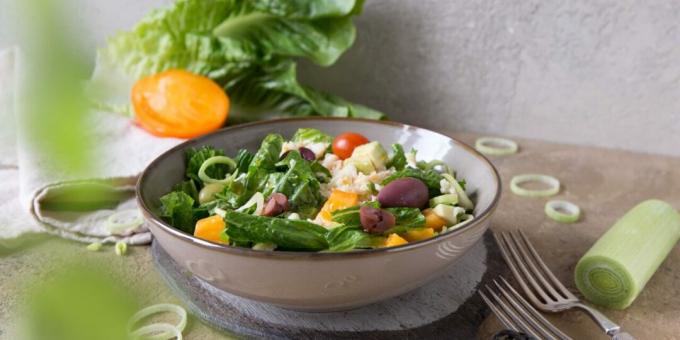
x=605, y=183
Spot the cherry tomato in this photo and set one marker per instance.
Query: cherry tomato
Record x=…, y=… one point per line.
x=344, y=144
x=177, y=103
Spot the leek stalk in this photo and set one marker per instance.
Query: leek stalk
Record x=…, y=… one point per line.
x=614, y=271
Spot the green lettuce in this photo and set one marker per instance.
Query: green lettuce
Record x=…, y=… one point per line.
x=196, y=157
x=431, y=178
x=285, y=233
x=311, y=135
x=345, y=238
x=398, y=159
x=263, y=164
x=299, y=184
x=405, y=218
x=243, y=159
x=177, y=210
x=245, y=46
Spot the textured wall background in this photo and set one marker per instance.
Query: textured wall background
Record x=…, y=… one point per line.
x=588, y=72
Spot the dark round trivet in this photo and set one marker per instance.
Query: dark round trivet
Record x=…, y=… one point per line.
x=447, y=308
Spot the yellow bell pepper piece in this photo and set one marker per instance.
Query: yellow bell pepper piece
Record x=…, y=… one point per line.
x=338, y=200
x=432, y=220
x=210, y=229
x=394, y=240
x=419, y=234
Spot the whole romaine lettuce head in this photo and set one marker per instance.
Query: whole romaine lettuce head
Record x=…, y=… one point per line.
x=245, y=46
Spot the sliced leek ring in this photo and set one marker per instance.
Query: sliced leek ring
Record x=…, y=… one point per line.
x=517, y=189
x=258, y=200
x=484, y=145
x=212, y=161
x=157, y=331
x=562, y=211
x=167, y=333
x=123, y=221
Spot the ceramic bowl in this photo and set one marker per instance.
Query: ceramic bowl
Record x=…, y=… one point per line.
x=322, y=281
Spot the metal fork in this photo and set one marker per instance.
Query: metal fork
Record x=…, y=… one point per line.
x=542, y=287
x=515, y=313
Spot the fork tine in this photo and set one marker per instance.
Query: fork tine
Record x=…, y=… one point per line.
x=525, y=276
x=499, y=313
x=526, y=314
x=509, y=312
x=537, y=274
x=514, y=295
x=515, y=271
x=556, y=283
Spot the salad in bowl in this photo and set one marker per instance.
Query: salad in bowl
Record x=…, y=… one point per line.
x=316, y=192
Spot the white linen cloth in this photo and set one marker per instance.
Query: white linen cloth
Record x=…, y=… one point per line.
x=29, y=186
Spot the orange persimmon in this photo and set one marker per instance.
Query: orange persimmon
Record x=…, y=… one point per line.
x=177, y=103
x=432, y=220
x=210, y=228
x=338, y=200
x=394, y=240
x=418, y=234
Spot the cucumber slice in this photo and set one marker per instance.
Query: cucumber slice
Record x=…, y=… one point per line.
x=450, y=199
x=463, y=199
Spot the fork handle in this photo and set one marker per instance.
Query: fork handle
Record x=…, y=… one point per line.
x=607, y=325
x=622, y=336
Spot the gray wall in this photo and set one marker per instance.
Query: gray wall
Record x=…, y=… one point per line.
x=587, y=72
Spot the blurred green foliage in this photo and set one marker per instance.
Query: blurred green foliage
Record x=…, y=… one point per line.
x=78, y=302
x=51, y=98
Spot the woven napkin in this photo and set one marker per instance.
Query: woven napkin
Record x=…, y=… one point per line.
x=33, y=192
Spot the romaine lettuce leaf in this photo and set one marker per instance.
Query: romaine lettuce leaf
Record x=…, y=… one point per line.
x=177, y=209
x=271, y=90
x=243, y=159
x=350, y=216
x=262, y=165
x=431, y=178
x=398, y=159
x=405, y=218
x=245, y=46
x=311, y=135
x=188, y=187
x=344, y=238
x=323, y=175
x=285, y=233
x=196, y=157
x=299, y=183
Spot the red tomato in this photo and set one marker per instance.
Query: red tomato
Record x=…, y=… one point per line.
x=344, y=144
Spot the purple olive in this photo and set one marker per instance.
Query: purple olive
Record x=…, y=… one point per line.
x=307, y=154
x=376, y=221
x=277, y=204
x=404, y=192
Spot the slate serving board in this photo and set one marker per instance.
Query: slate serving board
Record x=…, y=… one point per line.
x=447, y=308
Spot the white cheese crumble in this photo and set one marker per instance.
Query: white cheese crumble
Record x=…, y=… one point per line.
x=319, y=149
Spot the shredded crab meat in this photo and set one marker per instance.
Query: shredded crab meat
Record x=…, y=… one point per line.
x=346, y=177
